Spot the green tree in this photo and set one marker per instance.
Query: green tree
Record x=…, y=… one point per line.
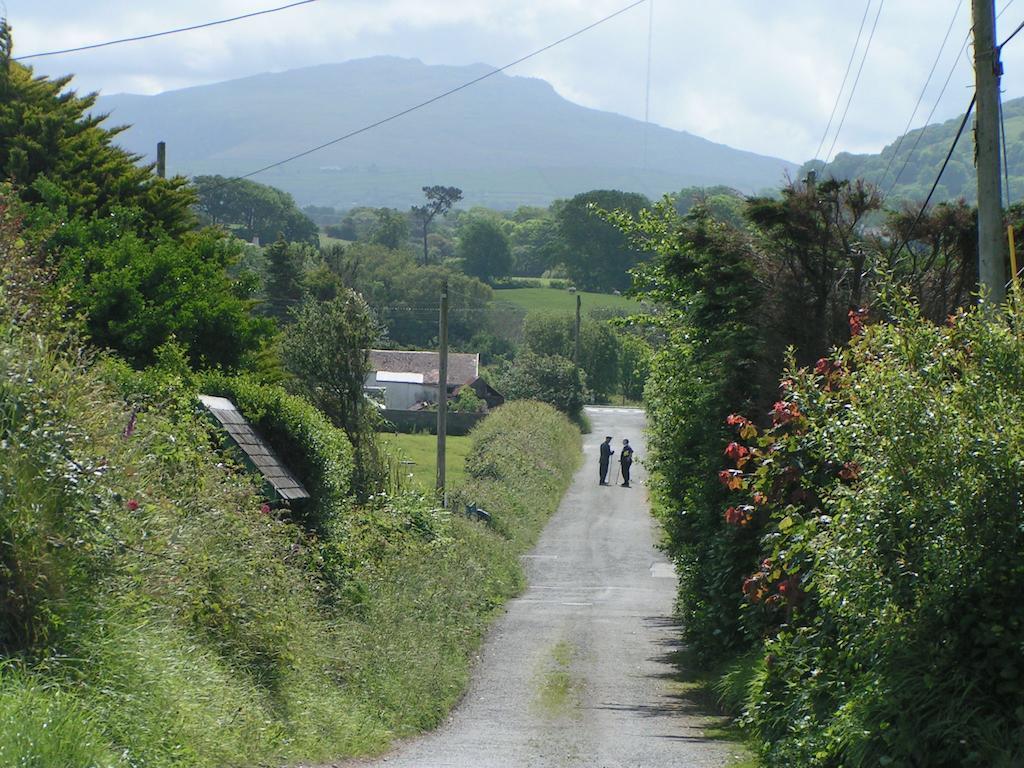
x=440, y=200
x=249, y=210
x=57, y=154
x=327, y=350
x=553, y=333
x=551, y=379
x=283, y=286
x=392, y=229
x=537, y=246
x=598, y=256
x=484, y=250
x=137, y=295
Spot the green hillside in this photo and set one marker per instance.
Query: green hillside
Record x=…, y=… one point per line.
x=556, y=299
x=913, y=181
x=506, y=141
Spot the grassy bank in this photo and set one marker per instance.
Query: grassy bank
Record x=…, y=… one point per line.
x=416, y=457
x=154, y=613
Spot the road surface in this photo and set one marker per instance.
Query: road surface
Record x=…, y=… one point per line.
x=578, y=673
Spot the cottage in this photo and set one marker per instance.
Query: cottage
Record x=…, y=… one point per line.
x=406, y=379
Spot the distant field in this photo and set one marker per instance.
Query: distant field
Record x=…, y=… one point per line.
x=559, y=299
x=421, y=450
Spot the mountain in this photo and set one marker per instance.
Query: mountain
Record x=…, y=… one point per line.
x=505, y=141
x=922, y=164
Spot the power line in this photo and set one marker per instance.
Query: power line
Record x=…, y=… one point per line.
x=433, y=99
x=856, y=80
x=924, y=89
x=942, y=92
x=842, y=86
x=935, y=184
x=162, y=34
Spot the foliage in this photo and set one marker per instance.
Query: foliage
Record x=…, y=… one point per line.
x=392, y=229
x=135, y=295
x=701, y=277
x=250, y=210
x=51, y=148
x=522, y=459
x=813, y=237
x=440, y=200
x=484, y=250
x=598, y=256
x=466, y=401
x=548, y=333
x=320, y=454
x=536, y=245
x=326, y=349
x=634, y=365
x=886, y=504
x=551, y=379
x=283, y=287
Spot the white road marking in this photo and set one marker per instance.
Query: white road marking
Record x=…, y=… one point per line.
x=548, y=602
x=663, y=571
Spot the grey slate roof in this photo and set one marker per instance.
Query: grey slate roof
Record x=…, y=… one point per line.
x=463, y=367
x=256, y=449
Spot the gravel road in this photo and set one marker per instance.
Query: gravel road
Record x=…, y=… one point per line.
x=577, y=673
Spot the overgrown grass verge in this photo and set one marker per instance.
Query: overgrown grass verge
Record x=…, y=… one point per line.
x=153, y=613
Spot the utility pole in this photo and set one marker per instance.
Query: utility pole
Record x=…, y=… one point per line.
x=987, y=71
x=161, y=159
x=576, y=349
x=442, y=388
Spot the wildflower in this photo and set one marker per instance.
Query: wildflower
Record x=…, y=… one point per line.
x=129, y=429
x=823, y=367
x=783, y=413
x=132, y=505
x=735, y=420
x=265, y=508
x=857, y=318
x=735, y=451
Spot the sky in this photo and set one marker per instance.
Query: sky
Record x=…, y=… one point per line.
x=756, y=75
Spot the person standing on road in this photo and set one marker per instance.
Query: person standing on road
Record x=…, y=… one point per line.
x=625, y=461
x=605, y=460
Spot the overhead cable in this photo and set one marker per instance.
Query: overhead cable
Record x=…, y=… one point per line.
x=150, y=36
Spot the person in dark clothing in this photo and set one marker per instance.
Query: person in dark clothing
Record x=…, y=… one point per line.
x=625, y=461
x=606, y=457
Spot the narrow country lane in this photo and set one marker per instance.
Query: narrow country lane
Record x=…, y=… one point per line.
x=578, y=671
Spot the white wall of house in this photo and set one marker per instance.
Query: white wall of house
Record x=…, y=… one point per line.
x=402, y=395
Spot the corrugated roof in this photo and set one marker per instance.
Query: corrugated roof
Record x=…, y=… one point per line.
x=256, y=449
x=463, y=367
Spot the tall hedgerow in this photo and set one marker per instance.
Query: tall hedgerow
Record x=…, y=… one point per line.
x=701, y=279
x=886, y=503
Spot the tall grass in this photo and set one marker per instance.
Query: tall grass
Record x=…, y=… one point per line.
x=151, y=614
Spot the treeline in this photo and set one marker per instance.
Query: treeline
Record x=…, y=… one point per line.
x=847, y=540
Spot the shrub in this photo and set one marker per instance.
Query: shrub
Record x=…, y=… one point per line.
x=550, y=379
x=886, y=501
x=318, y=452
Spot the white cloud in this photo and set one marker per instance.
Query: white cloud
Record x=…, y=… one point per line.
x=755, y=75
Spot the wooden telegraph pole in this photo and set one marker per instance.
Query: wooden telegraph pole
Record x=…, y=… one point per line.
x=161, y=159
x=576, y=349
x=987, y=71
x=442, y=389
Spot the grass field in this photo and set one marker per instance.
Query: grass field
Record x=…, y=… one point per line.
x=555, y=299
x=421, y=450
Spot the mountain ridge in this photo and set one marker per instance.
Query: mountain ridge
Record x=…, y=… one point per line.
x=506, y=141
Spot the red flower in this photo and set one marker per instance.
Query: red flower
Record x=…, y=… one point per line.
x=823, y=367
x=265, y=508
x=733, y=516
x=735, y=420
x=783, y=413
x=735, y=451
x=731, y=479
x=857, y=318
x=132, y=505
